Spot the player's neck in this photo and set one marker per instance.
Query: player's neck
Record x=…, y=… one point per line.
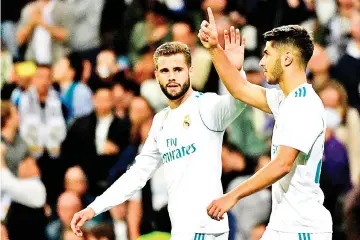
x=292, y=80
x=176, y=103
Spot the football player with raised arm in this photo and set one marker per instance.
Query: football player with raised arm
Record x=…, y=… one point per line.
x=298, y=136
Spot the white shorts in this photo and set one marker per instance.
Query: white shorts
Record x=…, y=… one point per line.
x=275, y=235
x=200, y=236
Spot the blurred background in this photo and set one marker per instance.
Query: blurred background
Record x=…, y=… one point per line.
x=78, y=94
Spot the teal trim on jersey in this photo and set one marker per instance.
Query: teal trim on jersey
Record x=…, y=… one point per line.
x=199, y=94
x=301, y=92
x=304, y=236
x=199, y=236
x=318, y=171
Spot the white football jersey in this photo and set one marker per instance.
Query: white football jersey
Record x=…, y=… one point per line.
x=297, y=200
x=187, y=140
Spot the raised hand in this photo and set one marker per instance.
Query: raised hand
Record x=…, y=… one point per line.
x=234, y=47
x=208, y=34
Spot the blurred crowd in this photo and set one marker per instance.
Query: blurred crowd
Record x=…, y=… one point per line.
x=78, y=95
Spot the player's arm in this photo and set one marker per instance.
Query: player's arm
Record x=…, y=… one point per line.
x=296, y=135
x=269, y=174
x=130, y=182
x=235, y=82
x=146, y=163
x=226, y=63
x=218, y=112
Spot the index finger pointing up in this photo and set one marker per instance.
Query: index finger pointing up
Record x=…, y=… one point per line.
x=211, y=16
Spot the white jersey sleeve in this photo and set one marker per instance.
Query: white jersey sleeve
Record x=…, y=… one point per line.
x=274, y=97
x=218, y=112
x=299, y=127
x=146, y=163
x=29, y=192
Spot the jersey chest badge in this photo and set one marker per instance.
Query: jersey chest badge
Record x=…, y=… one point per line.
x=187, y=121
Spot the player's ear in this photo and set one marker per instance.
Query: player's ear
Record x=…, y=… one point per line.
x=191, y=70
x=155, y=73
x=288, y=59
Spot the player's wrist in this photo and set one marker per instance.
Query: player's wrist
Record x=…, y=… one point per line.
x=91, y=211
x=236, y=194
x=215, y=49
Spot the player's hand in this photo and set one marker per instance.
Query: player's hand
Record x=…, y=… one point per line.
x=234, y=47
x=218, y=207
x=208, y=34
x=79, y=220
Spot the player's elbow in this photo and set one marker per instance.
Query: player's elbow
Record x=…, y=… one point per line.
x=283, y=167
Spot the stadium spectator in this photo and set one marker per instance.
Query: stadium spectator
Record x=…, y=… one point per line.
x=334, y=96
x=43, y=127
x=155, y=29
x=319, y=67
x=101, y=232
x=335, y=176
x=45, y=28
x=346, y=70
x=184, y=31
x=22, y=76
x=85, y=31
x=123, y=92
x=95, y=141
x=338, y=29
x=68, y=204
x=75, y=95
x=76, y=182
x=139, y=111
x=106, y=68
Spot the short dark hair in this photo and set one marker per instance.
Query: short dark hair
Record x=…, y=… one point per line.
x=76, y=63
x=172, y=48
x=127, y=84
x=102, y=86
x=292, y=35
x=102, y=230
x=185, y=19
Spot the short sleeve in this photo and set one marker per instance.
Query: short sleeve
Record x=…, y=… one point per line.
x=274, y=97
x=299, y=128
x=218, y=112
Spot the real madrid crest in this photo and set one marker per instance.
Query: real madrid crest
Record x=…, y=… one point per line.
x=187, y=121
